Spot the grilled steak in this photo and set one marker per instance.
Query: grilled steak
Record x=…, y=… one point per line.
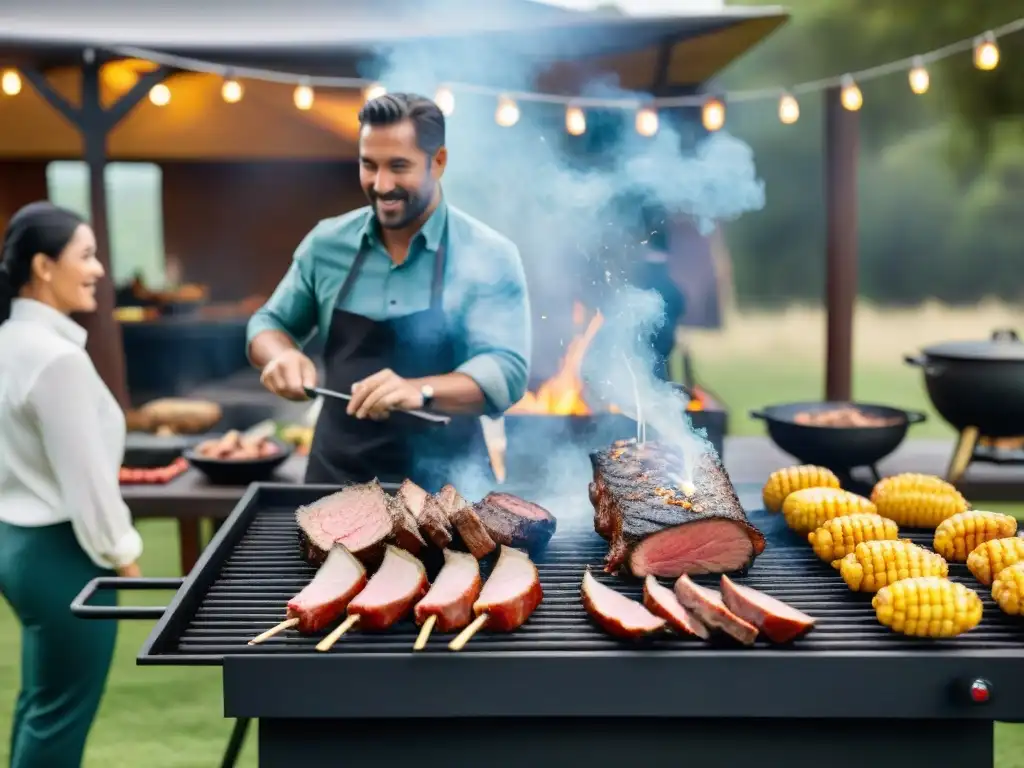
x=453, y=593
x=515, y=522
x=661, y=601
x=512, y=593
x=616, y=614
x=472, y=532
x=391, y=592
x=412, y=496
x=430, y=515
x=356, y=516
x=658, y=524
x=407, y=530
x=708, y=606
x=326, y=597
x=777, y=621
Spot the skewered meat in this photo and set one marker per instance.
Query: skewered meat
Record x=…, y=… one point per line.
x=515, y=522
x=326, y=597
x=391, y=592
x=662, y=525
x=407, y=530
x=356, y=516
x=512, y=593
x=707, y=604
x=662, y=602
x=453, y=593
x=471, y=530
x=777, y=621
x=616, y=614
x=429, y=514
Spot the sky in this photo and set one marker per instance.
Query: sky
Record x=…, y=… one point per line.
x=645, y=7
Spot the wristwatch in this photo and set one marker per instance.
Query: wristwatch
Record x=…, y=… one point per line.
x=427, y=393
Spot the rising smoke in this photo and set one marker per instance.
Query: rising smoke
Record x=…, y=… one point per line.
x=576, y=217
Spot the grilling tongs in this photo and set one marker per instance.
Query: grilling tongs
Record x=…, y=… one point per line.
x=435, y=418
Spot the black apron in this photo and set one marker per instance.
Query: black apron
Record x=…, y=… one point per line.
x=350, y=450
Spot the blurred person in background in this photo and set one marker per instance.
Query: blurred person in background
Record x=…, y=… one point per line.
x=652, y=273
x=62, y=519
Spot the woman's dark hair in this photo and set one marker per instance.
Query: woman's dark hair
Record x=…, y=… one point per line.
x=426, y=117
x=37, y=228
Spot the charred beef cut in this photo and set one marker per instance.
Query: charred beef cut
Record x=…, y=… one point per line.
x=451, y=597
x=658, y=526
x=407, y=530
x=431, y=518
x=472, y=532
x=515, y=522
x=356, y=516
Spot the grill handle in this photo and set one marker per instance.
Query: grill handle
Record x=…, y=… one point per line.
x=83, y=611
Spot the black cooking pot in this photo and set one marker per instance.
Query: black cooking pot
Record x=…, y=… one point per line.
x=838, y=448
x=977, y=383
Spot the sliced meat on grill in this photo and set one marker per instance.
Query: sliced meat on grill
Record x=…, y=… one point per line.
x=777, y=621
x=356, y=516
x=659, y=524
x=453, y=593
x=706, y=604
x=616, y=614
x=412, y=496
x=325, y=598
x=433, y=520
x=407, y=530
x=661, y=601
x=391, y=592
x=461, y=515
x=512, y=593
x=515, y=522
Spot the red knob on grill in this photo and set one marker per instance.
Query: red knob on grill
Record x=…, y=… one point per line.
x=980, y=691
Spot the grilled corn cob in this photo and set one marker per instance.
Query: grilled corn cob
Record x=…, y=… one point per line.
x=928, y=606
x=989, y=558
x=875, y=564
x=1008, y=589
x=838, y=536
x=810, y=508
x=917, y=501
x=783, y=482
x=958, y=536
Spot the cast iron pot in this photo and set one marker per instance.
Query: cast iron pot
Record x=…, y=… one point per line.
x=838, y=448
x=977, y=383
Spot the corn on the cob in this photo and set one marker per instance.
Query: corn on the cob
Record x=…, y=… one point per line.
x=989, y=558
x=783, y=482
x=1008, y=589
x=928, y=606
x=958, y=536
x=875, y=564
x=810, y=508
x=838, y=536
x=917, y=501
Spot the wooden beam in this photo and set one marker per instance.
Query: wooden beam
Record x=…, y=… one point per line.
x=42, y=86
x=117, y=111
x=841, y=145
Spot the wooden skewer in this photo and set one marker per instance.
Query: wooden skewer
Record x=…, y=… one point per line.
x=466, y=635
x=273, y=631
x=425, y=630
x=328, y=642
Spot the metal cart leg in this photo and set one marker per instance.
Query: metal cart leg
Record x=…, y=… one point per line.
x=235, y=743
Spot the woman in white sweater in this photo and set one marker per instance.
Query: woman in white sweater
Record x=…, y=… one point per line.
x=62, y=519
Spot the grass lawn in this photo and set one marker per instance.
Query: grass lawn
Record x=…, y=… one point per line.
x=172, y=717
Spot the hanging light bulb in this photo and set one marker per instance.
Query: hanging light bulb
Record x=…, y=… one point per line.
x=303, y=97
x=986, y=52
x=575, y=121
x=850, y=95
x=232, y=91
x=507, y=113
x=445, y=100
x=713, y=115
x=374, y=91
x=789, y=109
x=647, y=121
x=160, y=95
x=919, y=78
x=10, y=82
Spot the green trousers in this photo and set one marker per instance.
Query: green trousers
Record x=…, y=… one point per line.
x=64, y=659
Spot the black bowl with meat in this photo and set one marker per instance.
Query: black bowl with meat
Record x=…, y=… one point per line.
x=232, y=460
x=837, y=435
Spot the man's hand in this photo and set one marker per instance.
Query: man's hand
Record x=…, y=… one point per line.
x=288, y=374
x=385, y=391
x=131, y=571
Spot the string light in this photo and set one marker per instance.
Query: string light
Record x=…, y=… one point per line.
x=986, y=52
x=160, y=95
x=303, y=97
x=232, y=91
x=919, y=78
x=445, y=100
x=850, y=95
x=647, y=121
x=10, y=82
x=789, y=109
x=507, y=113
x=575, y=121
x=374, y=91
x=713, y=115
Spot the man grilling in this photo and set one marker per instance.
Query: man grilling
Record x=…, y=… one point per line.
x=421, y=307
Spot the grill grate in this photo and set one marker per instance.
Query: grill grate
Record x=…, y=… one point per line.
x=249, y=593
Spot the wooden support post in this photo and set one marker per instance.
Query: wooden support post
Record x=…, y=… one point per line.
x=841, y=145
